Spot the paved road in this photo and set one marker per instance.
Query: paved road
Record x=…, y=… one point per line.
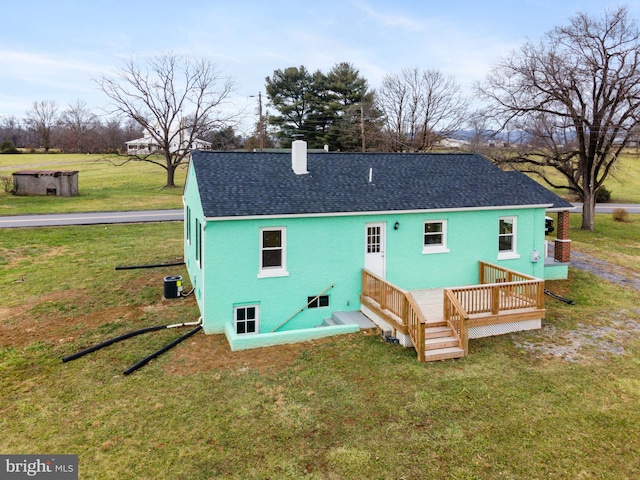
x=97, y=218
x=94, y=218
x=610, y=207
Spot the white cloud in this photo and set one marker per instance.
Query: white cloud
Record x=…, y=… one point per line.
x=392, y=20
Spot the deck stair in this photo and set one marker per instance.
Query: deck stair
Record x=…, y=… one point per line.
x=441, y=342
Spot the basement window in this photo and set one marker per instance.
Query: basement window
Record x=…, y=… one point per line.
x=247, y=319
x=321, y=301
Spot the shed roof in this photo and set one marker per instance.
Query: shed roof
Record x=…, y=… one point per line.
x=239, y=184
x=56, y=173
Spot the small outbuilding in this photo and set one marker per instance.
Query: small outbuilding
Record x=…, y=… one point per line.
x=59, y=183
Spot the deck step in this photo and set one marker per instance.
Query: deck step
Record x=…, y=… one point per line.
x=441, y=342
x=433, y=323
x=443, y=354
x=437, y=332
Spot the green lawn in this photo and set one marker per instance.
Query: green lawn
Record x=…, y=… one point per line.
x=102, y=185
x=346, y=407
x=623, y=183
x=616, y=242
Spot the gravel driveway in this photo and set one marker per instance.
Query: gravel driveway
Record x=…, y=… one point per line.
x=592, y=341
x=613, y=273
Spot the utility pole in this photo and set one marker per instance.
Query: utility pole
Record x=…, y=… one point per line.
x=260, y=125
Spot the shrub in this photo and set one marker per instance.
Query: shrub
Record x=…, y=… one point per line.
x=8, y=147
x=603, y=195
x=7, y=184
x=620, y=215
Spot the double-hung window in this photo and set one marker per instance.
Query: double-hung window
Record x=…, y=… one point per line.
x=434, y=236
x=507, y=238
x=273, y=252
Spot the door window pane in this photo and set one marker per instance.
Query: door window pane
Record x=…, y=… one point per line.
x=373, y=239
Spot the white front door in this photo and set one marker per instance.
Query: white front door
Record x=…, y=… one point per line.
x=375, y=248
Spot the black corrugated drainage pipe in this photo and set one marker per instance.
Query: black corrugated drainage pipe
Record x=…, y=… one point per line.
x=144, y=361
x=558, y=297
x=156, y=265
x=86, y=351
x=139, y=332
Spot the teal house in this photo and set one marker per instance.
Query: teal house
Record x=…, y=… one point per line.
x=285, y=247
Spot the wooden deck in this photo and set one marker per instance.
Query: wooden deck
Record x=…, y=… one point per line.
x=438, y=320
x=431, y=304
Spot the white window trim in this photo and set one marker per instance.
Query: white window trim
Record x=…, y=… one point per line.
x=513, y=253
x=188, y=224
x=270, y=272
x=436, y=248
x=257, y=319
x=198, y=243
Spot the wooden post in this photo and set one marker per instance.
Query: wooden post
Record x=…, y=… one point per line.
x=541, y=295
x=495, y=300
x=464, y=335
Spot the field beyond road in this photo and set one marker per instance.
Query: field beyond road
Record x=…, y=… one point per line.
x=102, y=185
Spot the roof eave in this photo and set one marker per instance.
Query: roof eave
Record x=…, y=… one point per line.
x=377, y=212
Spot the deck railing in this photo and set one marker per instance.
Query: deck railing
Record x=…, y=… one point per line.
x=398, y=307
x=388, y=296
x=455, y=314
x=501, y=290
x=490, y=273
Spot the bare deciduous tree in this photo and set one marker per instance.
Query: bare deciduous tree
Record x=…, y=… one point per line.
x=576, y=97
x=12, y=131
x=78, y=124
x=175, y=99
x=420, y=108
x=42, y=120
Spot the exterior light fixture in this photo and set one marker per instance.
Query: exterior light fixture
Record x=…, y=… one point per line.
x=396, y=226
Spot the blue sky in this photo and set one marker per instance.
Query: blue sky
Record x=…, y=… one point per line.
x=54, y=50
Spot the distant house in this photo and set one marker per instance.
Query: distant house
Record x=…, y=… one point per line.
x=60, y=183
x=148, y=144
x=286, y=247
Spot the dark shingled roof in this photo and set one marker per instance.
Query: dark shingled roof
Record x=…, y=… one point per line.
x=236, y=184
